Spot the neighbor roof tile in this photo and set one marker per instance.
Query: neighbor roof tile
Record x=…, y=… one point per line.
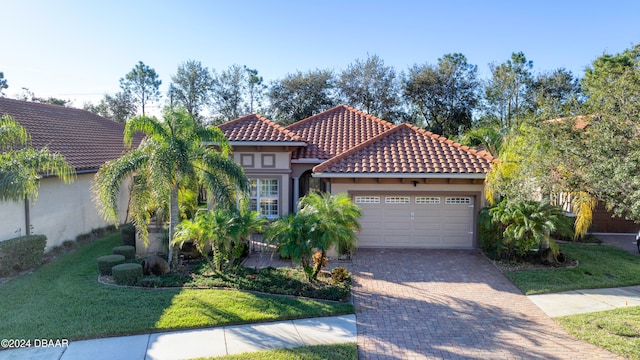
x=257, y=128
x=86, y=140
x=335, y=131
x=407, y=149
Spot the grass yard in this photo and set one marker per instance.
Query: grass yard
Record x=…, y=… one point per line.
x=616, y=330
x=600, y=266
x=348, y=351
x=63, y=299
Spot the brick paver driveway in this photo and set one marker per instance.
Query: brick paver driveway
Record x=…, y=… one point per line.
x=415, y=304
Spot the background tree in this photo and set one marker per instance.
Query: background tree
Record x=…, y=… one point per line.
x=3, y=84
x=22, y=166
x=300, y=95
x=555, y=94
x=171, y=157
x=28, y=95
x=119, y=107
x=610, y=146
x=190, y=87
x=372, y=87
x=255, y=90
x=143, y=83
x=228, y=92
x=506, y=91
x=445, y=95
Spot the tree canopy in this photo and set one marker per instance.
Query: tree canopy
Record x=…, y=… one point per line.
x=300, y=95
x=372, y=87
x=190, y=87
x=143, y=83
x=445, y=95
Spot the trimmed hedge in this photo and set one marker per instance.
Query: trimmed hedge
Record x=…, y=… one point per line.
x=129, y=252
x=128, y=232
x=22, y=253
x=105, y=263
x=127, y=274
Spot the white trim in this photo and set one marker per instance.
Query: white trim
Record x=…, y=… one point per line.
x=400, y=175
x=307, y=161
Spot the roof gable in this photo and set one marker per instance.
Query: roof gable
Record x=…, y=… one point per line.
x=86, y=140
x=335, y=131
x=407, y=149
x=255, y=128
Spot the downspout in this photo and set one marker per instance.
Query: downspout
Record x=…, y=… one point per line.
x=27, y=218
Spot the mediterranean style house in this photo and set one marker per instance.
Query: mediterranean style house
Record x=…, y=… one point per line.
x=63, y=211
x=416, y=189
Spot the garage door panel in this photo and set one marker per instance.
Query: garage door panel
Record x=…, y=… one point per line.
x=423, y=222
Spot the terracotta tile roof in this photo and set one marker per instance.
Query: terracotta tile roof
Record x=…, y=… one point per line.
x=407, y=149
x=86, y=140
x=257, y=128
x=335, y=131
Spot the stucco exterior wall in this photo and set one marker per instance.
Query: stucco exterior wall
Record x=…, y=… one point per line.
x=344, y=186
x=264, y=160
x=61, y=212
x=12, y=221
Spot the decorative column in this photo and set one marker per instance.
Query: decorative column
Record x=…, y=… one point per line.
x=296, y=192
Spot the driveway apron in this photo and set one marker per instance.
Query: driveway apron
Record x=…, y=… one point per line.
x=453, y=304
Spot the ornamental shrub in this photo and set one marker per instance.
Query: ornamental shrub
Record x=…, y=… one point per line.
x=21, y=253
x=129, y=252
x=127, y=274
x=105, y=263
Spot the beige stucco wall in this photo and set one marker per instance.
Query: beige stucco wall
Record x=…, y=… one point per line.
x=61, y=212
x=281, y=159
x=12, y=221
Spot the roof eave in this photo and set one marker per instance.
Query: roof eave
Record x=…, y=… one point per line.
x=402, y=175
x=260, y=143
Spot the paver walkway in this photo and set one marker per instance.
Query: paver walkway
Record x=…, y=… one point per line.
x=421, y=304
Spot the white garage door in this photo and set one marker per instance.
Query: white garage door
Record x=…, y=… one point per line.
x=424, y=221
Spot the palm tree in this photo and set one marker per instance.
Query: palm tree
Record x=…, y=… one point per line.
x=528, y=224
x=336, y=221
x=221, y=231
x=171, y=158
x=324, y=220
x=292, y=235
x=22, y=167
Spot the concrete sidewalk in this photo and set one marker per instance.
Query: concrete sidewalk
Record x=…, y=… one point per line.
x=190, y=344
x=584, y=301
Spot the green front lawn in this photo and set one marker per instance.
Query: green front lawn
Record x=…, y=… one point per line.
x=600, y=266
x=348, y=351
x=63, y=299
x=616, y=330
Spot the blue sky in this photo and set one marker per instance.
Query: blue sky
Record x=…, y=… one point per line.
x=79, y=50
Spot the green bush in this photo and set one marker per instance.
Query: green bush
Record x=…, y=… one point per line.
x=129, y=252
x=128, y=232
x=340, y=274
x=127, y=274
x=105, y=263
x=21, y=253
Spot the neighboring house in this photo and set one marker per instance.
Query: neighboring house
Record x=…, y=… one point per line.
x=63, y=211
x=416, y=189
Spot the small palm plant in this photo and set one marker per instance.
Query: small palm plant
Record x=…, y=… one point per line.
x=336, y=222
x=322, y=222
x=529, y=224
x=221, y=232
x=292, y=234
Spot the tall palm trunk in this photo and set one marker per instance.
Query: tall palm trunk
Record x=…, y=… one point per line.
x=174, y=218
